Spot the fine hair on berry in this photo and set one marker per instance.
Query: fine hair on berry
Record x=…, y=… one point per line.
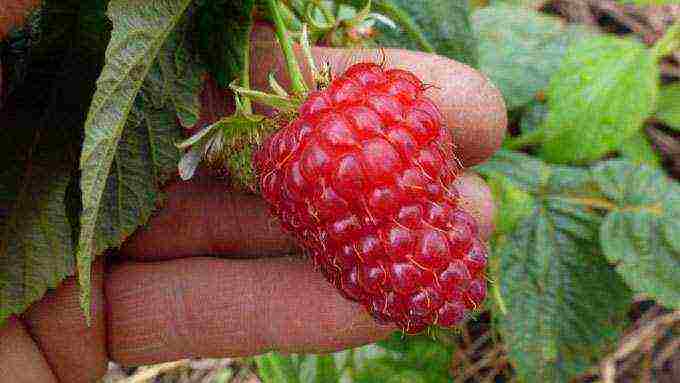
x=361, y=177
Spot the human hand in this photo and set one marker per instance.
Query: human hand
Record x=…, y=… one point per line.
x=162, y=298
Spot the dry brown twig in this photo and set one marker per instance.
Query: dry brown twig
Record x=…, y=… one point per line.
x=643, y=337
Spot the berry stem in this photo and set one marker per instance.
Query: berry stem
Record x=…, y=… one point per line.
x=274, y=100
x=496, y=293
x=296, y=79
x=245, y=73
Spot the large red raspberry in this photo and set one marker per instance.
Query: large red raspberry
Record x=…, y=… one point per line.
x=361, y=178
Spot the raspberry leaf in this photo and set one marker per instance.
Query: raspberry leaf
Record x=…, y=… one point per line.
x=514, y=204
x=563, y=304
x=138, y=34
x=36, y=246
x=437, y=26
x=602, y=93
x=528, y=173
x=223, y=29
x=640, y=236
x=519, y=49
x=40, y=141
x=668, y=106
x=174, y=80
x=637, y=148
x=145, y=156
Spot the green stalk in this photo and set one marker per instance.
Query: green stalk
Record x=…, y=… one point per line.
x=245, y=73
x=296, y=79
x=668, y=42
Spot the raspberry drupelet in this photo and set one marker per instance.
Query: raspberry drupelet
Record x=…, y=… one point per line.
x=361, y=178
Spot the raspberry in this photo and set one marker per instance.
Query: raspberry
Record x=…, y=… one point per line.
x=361, y=179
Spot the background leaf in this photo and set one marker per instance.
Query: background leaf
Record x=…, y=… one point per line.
x=641, y=236
x=637, y=148
x=668, y=106
x=174, y=80
x=36, y=249
x=600, y=96
x=565, y=305
x=445, y=25
x=533, y=116
x=223, y=30
x=138, y=33
x=519, y=49
x=413, y=359
x=40, y=141
x=144, y=155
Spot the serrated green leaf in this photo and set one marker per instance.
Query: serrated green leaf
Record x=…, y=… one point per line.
x=145, y=155
x=668, y=106
x=40, y=142
x=600, y=96
x=223, y=32
x=162, y=132
x=175, y=78
x=445, y=26
x=641, y=236
x=513, y=204
x=36, y=246
x=519, y=49
x=527, y=172
x=637, y=148
x=563, y=304
x=138, y=33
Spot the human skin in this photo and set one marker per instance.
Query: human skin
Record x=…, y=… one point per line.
x=210, y=275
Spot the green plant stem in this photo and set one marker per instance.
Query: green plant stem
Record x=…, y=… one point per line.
x=496, y=294
x=669, y=42
x=245, y=73
x=296, y=78
x=402, y=18
x=531, y=138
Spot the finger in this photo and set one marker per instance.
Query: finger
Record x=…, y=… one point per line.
x=211, y=307
x=75, y=351
x=20, y=358
x=472, y=107
x=202, y=217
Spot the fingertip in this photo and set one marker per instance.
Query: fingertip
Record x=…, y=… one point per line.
x=476, y=199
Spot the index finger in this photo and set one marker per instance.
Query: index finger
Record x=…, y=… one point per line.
x=471, y=105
